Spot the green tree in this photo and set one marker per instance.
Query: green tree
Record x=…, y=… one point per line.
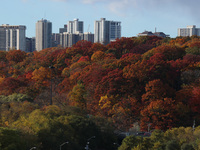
x=11, y=139
x=12, y=111
x=15, y=97
x=129, y=143
x=33, y=123
x=187, y=146
x=55, y=135
x=76, y=130
x=77, y=96
x=172, y=145
x=157, y=138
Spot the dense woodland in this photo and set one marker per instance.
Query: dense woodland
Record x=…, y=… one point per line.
x=98, y=90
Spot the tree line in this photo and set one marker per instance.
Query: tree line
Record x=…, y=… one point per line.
x=149, y=80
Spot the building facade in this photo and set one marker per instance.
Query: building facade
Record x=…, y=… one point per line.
x=12, y=37
x=106, y=31
x=75, y=26
x=30, y=44
x=189, y=31
x=88, y=36
x=68, y=39
x=55, y=39
x=43, y=37
x=145, y=33
x=149, y=33
x=74, y=34
x=64, y=29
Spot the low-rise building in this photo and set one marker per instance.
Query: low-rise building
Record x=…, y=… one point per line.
x=149, y=33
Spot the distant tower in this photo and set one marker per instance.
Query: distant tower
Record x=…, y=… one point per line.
x=75, y=26
x=43, y=35
x=12, y=37
x=106, y=31
x=61, y=30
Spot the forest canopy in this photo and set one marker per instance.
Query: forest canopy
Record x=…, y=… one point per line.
x=146, y=80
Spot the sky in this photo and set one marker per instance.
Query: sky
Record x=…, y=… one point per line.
x=136, y=16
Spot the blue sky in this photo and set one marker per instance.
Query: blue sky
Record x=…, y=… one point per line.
x=136, y=15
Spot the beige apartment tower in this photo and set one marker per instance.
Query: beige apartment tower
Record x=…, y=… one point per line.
x=43, y=37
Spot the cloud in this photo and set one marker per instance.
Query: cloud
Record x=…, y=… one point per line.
x=182, y=7
x=121, y=7
x=93, y=1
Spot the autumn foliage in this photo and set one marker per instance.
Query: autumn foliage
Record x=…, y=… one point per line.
x=148, y=80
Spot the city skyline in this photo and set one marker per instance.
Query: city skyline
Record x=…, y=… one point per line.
x=14, y=37
x=136, y=16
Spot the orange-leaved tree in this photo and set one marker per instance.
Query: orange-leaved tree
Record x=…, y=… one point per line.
x=160, y=114
x=42, y=76
x=155, y=90
x=15, y=56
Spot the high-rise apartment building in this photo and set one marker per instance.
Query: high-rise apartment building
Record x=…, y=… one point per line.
x=55, y=39
x=61, y=30
x=74, y=34
x=12, y=37
x=75, y=26
x=43, y=37
x=30, y=44
x=189, y=31
x=88, y=36
x=68, y=39
x=106, y=31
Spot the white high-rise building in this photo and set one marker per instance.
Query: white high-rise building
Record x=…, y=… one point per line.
x=43, y=37
x=106, y=31
x=189, y=31
x=75, y=26
x=12, y=37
